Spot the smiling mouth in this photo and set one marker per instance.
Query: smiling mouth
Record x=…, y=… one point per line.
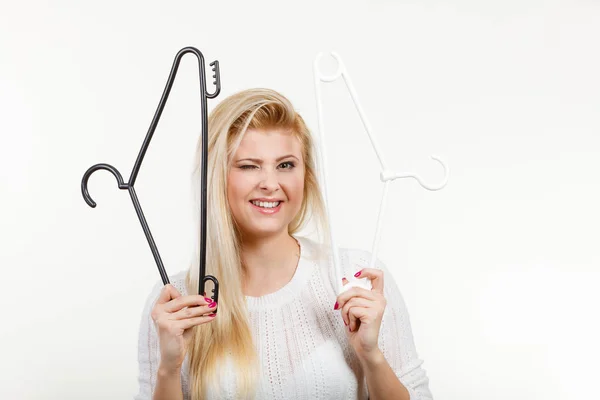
x=266, y=204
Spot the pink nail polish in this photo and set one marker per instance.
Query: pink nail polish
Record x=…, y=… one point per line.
x=336, y=306
x=357, y=274
x=212, y=305
x=208, y=300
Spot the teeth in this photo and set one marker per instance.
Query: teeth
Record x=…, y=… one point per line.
x=266, y=204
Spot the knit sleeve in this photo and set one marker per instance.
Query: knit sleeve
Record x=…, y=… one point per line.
x=148, y=348
x=395, y=336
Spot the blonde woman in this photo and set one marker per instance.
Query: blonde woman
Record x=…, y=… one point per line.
x=281, y=331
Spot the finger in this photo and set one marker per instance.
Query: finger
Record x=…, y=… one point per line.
x=375, y=275
x=354, y=292
x=194, y=311
x=167, y=293
x=344, y=282
x=185, y=301
x=336, y=306
x=352, y=319
x=356, y=314
x=191, y=322
x=354, y=302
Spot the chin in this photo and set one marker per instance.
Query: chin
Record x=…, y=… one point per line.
x=262, y=231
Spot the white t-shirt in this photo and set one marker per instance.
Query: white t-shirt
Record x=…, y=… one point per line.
x=300, y=339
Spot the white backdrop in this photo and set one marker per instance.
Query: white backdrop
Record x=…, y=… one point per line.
x=499, y=269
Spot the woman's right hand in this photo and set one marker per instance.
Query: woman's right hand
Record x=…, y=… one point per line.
x=174, y=315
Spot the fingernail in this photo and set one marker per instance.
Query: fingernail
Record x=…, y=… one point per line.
x=212, y=315
x=208, y=300
x=350, y=329
x=345, y=323
x=336, y=306
x=357, y=274
x=212, y=305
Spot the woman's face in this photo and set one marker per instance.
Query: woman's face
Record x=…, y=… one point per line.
x=266, y=182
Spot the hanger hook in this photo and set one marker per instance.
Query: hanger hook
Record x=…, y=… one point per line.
x=90, y=171
x=216, y=80
x=388, y=175
x=341, y=68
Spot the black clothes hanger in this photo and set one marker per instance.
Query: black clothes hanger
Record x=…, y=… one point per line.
x=129, y=186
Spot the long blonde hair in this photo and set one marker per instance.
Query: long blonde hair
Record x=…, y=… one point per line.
x=230, y=333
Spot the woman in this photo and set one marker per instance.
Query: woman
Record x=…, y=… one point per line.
x=282, y=331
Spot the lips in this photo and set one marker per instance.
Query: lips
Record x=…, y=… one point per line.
x=266, y=203
x=265, y=210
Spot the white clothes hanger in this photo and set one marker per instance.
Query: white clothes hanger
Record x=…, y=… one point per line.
x=386, y=175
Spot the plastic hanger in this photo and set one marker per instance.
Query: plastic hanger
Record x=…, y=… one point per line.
x=204, y=95
x=386, y=175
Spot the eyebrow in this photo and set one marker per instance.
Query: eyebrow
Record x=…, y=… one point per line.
x=259, y=161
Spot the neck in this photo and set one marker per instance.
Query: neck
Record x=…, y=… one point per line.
x=269, y=257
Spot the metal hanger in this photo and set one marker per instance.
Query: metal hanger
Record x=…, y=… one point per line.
x=204, y=95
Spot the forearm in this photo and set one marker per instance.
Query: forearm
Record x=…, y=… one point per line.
x=168, y=384
x=381, y=379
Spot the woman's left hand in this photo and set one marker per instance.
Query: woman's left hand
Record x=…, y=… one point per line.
x=362, y=311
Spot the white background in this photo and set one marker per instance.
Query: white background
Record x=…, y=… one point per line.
x=499, y=270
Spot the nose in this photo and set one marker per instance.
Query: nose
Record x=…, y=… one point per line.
x=268, y=180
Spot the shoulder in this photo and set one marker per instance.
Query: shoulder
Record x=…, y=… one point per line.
x=313, y=249
x=358, y=256
x=354, y=259
x=350, y=260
